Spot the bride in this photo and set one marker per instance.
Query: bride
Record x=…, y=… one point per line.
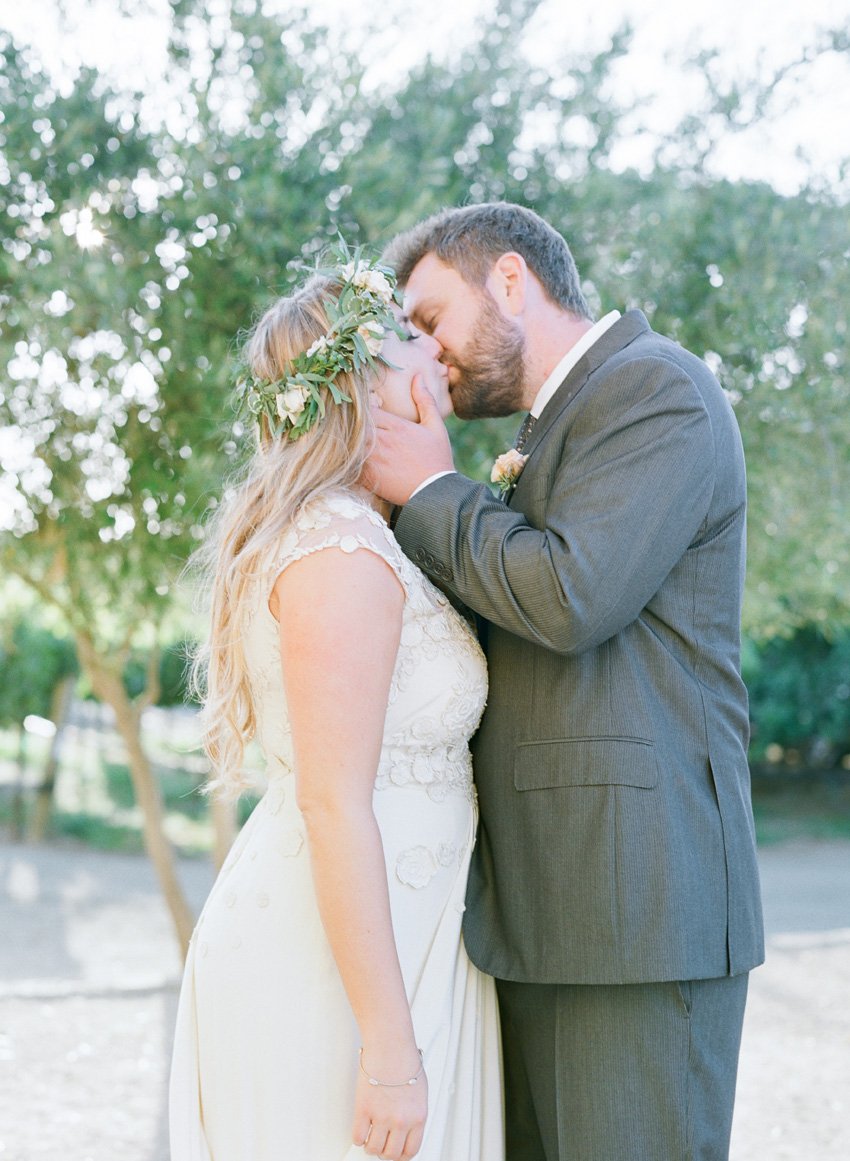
x=328, y=1009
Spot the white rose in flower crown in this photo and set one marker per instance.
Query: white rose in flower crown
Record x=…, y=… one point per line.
x=290, y=403
x=372, y=334
x=321, y=344
x=373, y=281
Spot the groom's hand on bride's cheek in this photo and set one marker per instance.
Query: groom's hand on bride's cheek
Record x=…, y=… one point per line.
x=406, y=454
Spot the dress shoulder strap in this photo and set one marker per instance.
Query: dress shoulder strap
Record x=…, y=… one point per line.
x=344, y=521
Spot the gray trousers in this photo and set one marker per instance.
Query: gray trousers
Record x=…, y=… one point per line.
x=630, y=1072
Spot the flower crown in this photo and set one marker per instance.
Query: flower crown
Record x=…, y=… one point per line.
x=359, y=318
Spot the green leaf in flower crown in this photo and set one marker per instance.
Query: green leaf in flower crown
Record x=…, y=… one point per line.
x=339, y=396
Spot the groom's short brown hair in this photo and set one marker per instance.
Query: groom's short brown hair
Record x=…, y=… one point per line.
x=471, y=238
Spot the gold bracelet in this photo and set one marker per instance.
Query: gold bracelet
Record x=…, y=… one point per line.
x=396, y=1083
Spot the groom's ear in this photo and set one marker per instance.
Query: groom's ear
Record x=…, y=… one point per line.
x=508, y=282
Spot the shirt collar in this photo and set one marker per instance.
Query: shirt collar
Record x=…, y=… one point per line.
x=559, y=374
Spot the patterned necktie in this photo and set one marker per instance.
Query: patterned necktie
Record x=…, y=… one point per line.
x=525, y=431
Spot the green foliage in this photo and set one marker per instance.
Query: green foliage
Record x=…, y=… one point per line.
x=133, y=253
x=95, y=830
x=791, y=808
x=106, y=434
x=800, y=699
x=172, y=674
x=33, y=662
x=751, y=281
x=180, y=789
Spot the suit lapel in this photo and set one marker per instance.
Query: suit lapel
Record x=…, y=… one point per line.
x=624, y=331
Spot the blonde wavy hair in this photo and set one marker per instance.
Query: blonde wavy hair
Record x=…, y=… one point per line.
x=279, y=478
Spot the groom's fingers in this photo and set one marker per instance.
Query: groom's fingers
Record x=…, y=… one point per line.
x=407, y=453
x=386, y=421
x=425, y=403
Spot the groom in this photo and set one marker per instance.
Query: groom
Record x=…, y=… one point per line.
x=614, y=890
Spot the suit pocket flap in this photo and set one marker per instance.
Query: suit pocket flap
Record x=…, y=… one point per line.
x=585, y=762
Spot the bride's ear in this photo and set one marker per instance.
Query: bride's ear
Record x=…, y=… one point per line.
x=507, y=282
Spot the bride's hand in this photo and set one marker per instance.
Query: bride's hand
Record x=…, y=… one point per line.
x=389, y=1120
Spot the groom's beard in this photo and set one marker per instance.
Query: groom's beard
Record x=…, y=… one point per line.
x=491, y=371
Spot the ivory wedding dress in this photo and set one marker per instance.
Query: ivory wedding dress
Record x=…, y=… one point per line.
x=265, y=1058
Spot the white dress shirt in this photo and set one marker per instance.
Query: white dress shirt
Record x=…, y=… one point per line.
x=554, y=380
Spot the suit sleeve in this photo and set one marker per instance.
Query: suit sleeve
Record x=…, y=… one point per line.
x=630, y=493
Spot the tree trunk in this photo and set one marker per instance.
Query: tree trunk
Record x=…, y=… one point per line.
x=108, y=686
x=43, y=807
x=18, y=813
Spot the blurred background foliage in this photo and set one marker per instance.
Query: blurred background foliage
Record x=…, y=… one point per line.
x=134, y=248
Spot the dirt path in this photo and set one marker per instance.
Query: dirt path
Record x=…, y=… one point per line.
x=88, y=989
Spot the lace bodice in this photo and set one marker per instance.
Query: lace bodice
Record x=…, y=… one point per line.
x=439, y=684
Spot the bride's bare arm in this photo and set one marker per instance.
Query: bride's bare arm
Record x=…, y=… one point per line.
x=340, y=616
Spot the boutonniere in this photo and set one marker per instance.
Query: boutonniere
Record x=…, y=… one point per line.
x=507, y=470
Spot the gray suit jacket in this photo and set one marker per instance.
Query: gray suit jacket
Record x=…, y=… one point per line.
x=616, y=842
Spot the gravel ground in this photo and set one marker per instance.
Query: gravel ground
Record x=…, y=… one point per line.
x=88, y=990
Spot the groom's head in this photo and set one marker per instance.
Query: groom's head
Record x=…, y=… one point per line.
x=480, y=279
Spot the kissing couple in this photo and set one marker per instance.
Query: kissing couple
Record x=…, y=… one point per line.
x=379, y=971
